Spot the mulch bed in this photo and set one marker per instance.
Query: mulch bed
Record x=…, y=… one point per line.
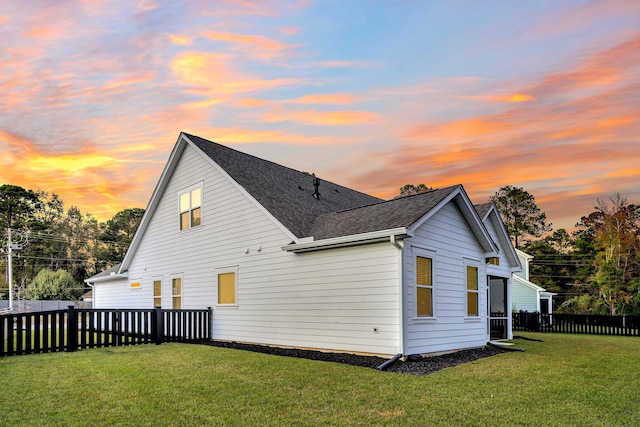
x=421, y=366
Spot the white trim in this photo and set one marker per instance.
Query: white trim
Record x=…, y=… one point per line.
x=189, y=190
x=529, y=284
x=510, y=252
x=109, y=278
x=155, y=279
x=351, y=240
x=469, y=213
x=167, y=172
x=468, y=262
x=181, y=295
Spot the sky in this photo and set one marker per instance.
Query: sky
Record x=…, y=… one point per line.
x=373, y=95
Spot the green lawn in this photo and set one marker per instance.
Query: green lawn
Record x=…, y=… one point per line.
x=565, y=380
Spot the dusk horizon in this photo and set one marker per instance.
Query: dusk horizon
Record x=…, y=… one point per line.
x=370, y=95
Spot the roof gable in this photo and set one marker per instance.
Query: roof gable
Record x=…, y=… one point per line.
x=392, y=214
x=489, y=213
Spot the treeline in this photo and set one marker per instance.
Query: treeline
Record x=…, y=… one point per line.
x=596, y=268
x=56, y=248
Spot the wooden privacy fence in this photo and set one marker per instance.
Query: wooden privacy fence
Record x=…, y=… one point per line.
x=73, y=329
x=589, y=324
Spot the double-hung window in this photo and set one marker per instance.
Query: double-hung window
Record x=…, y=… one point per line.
x=424, y=286
x=191, y=208
x=472, y=291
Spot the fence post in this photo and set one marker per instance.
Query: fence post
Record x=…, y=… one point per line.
x=72, y=329
x=210, y=322
x=157, y=325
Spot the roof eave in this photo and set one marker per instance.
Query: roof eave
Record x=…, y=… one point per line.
x=109, y=278
x=345, y=241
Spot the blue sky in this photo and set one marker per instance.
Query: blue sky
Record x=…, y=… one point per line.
x=370, y=94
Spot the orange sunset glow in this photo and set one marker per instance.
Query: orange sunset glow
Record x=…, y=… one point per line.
x=544, y=96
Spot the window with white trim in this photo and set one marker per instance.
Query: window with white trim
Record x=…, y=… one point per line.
x=157, y=293
x=227, y=286
x=176, y=293
x=473, y=292
x=424, y=286
x=191, y=208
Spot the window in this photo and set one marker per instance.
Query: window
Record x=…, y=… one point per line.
x=424, y=286
x=136, y=284
x=157, y=293
x=176, y=291
x=227, y=288
x=472, y=291
x=191, y=208
x=493, y=261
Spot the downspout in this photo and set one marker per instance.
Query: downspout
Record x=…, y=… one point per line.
x=401, y=325
x=93, y=294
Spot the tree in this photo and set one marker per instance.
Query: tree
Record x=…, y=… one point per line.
x=520, y=214
x=16, y=207
x=614, y=228
x=16, y=204
x=53, y=285
x=119, y=231
x=411, y=189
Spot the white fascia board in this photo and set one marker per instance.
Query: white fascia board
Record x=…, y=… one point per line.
x=461, y=200
x=156, y=196
x=108, y=278
x=524, y=254
x=528, y=283
x=501, y=230
x=351, y=240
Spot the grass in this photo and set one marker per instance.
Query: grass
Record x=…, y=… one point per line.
x=565, y=380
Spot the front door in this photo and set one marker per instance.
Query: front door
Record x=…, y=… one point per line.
x=498, y=314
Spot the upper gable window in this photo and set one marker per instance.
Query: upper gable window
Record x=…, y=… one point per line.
x=191, y=207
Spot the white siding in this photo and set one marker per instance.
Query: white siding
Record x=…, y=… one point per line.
x=331, y=299
x=524, y=298
x=447, y=235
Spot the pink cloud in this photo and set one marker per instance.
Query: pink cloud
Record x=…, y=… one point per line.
x=256, y=46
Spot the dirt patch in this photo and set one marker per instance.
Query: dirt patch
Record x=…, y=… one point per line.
x=412, y=366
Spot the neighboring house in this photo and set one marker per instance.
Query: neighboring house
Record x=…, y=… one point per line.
x=527, y=296
x=287, y=259
x=88, y=297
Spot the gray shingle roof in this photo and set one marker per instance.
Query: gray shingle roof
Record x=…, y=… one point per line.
x=483, y=208
x=396, y=213
x=286, y=193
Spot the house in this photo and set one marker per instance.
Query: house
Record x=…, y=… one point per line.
x=527, y=296
x=287, y=259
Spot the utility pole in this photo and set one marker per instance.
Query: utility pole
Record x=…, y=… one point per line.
x=10, y=268
x=14, y=243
